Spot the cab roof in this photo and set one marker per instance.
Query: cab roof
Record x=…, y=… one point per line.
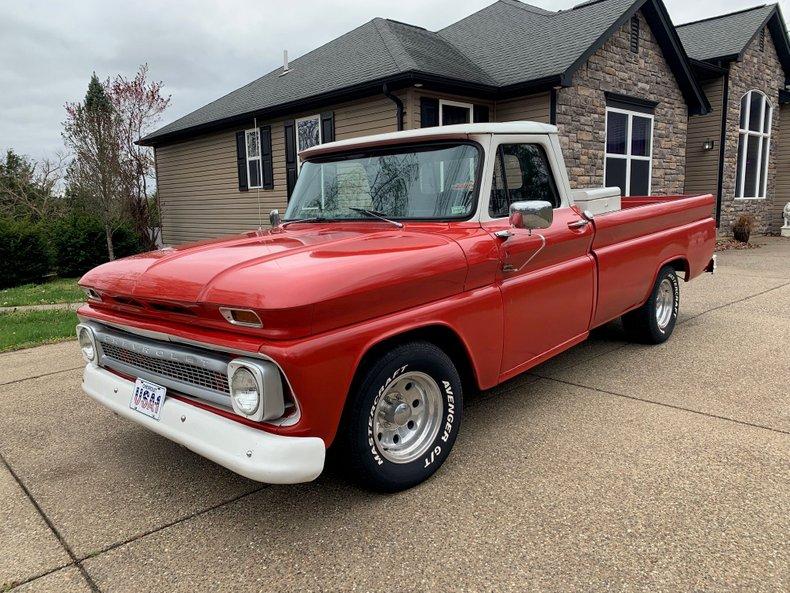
x=454, y=132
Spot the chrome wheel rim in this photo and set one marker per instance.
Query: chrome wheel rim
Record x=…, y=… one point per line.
x=407, y=417
x=665, y=303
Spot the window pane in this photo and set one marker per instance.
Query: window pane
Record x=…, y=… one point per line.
x=616, y=124
x=452, y=114
x=755, y=116
x=308, y=133
x=253, y=144
x=743, y=138
x=498, y=207
x=767, y=119
x=752, y=150
x=254, y=170
x=640, y=136
x=763, y=166
x=744, y=110
x=640, y=178
x=615, y=173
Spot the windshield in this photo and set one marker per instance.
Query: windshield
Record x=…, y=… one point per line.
x=429, y=182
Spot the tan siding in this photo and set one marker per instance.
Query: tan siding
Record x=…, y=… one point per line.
x=530, y=108
x=198, y=184
x=782, y=147
x=702, y=166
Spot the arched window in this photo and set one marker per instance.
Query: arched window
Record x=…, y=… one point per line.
x=754, y=146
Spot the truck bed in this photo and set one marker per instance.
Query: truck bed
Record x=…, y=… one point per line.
x=631, y=244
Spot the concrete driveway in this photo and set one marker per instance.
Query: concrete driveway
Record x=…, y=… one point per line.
x=613, y=467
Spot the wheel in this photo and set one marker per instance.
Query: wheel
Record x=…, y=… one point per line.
x=653, y=322
x=402, y=421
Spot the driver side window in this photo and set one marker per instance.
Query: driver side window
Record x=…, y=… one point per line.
x=521, y=173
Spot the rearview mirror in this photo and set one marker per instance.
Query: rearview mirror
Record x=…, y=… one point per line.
x=534, y=214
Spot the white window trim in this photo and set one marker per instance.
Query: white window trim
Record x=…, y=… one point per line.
x=469, y=106
x=257, y=132
x=762, y=136
x=296, y=133
x=628, y=157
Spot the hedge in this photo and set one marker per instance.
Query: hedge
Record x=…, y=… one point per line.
x=24, y=253
x=68, y=246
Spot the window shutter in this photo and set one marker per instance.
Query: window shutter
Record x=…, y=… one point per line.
x=241, y=160
x=429, y=112
x=267, y=171
x=480, y=114
x=290, y=156
x=327, y=127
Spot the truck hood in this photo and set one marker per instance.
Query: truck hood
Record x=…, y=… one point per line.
x=311, y=278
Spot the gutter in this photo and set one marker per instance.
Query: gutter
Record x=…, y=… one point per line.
x=398, y=105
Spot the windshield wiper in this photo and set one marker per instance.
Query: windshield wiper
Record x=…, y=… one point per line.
x=312, y=219
x=375, y=214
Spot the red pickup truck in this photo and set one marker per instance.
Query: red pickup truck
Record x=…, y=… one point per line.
x=408, y=269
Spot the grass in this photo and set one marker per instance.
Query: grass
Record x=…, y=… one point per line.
x=60, y=290
x=24, y=329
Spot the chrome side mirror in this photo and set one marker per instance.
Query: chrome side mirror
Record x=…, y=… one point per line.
x=534, y=214
x=274, y=218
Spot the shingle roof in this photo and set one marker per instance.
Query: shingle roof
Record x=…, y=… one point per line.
x=506, y=43
x=723, y=36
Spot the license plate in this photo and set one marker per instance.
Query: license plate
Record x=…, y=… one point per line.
x=148, y=398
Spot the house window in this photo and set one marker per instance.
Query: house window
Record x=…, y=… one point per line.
x=253, y=142
x=629, y=141
x=451, y=113
x=308, y=133
x=635, y=34
x=754, y=146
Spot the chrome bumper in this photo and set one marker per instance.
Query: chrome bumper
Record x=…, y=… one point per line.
x=711, y=267
x=250, y=452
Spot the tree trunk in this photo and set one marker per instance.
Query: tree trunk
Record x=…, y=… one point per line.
x=108, y=236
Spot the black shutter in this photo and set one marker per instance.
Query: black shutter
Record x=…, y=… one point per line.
x=241, y=160
x=480, y=114
x=290, y=156
x=267, y=171
x=327, y=127
x=429, y=112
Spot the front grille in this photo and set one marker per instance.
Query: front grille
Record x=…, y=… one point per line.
x=178, y=371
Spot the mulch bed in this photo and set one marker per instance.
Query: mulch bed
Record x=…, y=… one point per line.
x=729, y=244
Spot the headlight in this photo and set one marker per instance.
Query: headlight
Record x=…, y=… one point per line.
x=256, y=389
x=244, y=391
x=87, y=342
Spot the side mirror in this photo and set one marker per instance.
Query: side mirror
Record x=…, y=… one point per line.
x=534, y=214
x=274, y=218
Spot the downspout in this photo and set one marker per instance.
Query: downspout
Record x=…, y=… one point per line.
x=722, y=141
x=398, y=105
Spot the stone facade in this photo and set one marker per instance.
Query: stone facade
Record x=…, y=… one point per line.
x=758, y=70
x=581, y=110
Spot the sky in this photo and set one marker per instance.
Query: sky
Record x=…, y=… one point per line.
x=200, y=49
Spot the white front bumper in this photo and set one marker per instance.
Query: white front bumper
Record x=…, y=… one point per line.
x=251, y=452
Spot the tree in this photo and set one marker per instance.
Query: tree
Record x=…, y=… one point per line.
x=28, y=189
x=139, y=104
x=92, y=132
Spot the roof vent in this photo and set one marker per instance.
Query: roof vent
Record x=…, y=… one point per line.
x=286, y=70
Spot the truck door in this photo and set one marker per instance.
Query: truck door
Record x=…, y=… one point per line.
x=547, y=277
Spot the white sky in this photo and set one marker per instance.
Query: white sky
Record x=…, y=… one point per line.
x=200, y=49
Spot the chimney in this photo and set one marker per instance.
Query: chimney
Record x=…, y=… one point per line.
x=285, y=61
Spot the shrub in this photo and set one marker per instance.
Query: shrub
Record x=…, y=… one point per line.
x=79, y=244
x=742, y=228
x=24, y=253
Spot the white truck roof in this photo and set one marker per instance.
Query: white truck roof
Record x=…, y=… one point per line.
x=438, y=133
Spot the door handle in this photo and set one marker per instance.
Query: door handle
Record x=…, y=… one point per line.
x=578, y=224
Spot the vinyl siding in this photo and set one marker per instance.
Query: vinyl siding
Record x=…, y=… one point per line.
x=530, y=108
x=198, y=183
x=781, y=144
x=702, y=166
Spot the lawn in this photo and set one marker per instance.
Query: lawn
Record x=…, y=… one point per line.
x=31, y=328
x=60, y=290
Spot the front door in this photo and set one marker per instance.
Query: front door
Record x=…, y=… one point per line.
x=547, y=276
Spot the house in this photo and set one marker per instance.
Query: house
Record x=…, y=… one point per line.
x=736, y=151
x=613, y=75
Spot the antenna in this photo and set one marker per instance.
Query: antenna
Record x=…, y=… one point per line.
x=258, y=190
